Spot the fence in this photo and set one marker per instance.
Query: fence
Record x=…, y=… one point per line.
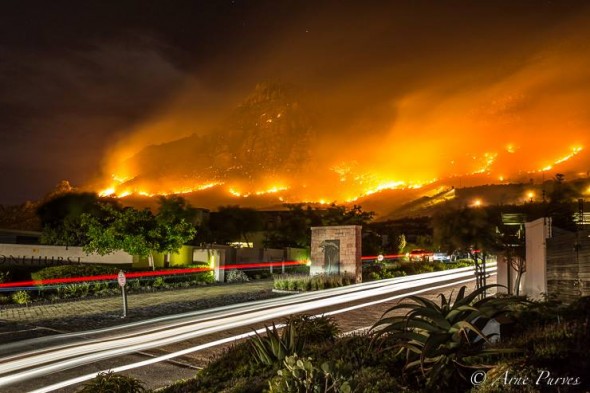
x=568, y=265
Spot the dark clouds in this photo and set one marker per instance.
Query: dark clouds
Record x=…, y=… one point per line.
x=79, y=77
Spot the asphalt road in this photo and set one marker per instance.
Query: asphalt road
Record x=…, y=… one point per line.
x=355, y=307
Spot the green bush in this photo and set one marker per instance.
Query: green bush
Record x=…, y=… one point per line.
x=297, y=282
x=297, y=269
x=135, y=284
x=4, y=299
x=76, y=290
x=68, y=271
x=356, y=351
x=314, y=329
x=276, y=345
x=300, y=375
x=204, y=278
x=112, y=383
x=99, y=286
x=380, y=270
x=293, y=285
x=4, y=277
x=374, y=380
x=236, y=275
x=158, y=282
x=21, y=297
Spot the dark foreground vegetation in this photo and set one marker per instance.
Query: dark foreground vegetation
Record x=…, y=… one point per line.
x=417, y=346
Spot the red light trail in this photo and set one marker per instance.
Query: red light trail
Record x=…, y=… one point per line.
x=171, y=272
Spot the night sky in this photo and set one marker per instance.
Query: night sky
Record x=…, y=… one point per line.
x=79, y=77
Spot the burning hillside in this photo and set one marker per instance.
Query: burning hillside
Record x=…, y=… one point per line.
x=269, y=145
x=389, y=129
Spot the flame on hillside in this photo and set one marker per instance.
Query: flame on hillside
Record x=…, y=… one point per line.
x=356, y=185
x=392, y=130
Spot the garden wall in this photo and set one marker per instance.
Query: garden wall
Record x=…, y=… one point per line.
x=38, y=255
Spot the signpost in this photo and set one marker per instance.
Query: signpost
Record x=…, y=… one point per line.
x=122, y=281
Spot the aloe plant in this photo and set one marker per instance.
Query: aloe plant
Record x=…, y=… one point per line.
x=276, y=346
x=444, y=341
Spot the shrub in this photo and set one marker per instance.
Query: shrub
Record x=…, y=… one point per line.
x=76, y=290
x=158, y=282
x=236, y=275
x=373, y=380
x=311, y=283
x=4, y=277
x=275, y=346
x=112, y=383
x=4, y=299
x=292, y=285
x=21, y=297
x=204, y=277
x=73, y=271
x=314, y=329
x=297, y=269
x=100, y=286
x=300, y=375
x=135, y=284
x=356, y=351
x=443, y=341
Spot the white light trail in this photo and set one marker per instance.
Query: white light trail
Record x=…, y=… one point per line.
x=226, y=340
x=28, y=365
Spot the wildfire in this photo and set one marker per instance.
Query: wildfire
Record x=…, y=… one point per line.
x=343, y=181
x=120, y=191
x=489, y=159
x=574, y=151
x=272, y=190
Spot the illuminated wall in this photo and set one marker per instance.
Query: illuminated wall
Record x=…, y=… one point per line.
x=336, y=249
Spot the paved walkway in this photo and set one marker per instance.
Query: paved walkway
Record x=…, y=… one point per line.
x=144, y=304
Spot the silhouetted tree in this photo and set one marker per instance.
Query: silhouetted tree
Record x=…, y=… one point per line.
x=468, y=229
x=61, y=217
x=234, y=223
x=175, y=219
x=561, y=207
x=295, y=230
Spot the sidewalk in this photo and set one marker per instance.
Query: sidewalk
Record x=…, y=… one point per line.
x=89, y=313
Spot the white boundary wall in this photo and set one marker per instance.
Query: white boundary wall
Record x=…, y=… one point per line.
x=41, y=255
x=535, y=278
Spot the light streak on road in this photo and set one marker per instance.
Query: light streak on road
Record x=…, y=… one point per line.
x=226, y=340
x=202, y=315
x=165, y=331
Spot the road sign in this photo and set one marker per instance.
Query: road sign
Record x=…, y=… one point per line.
x=121, y=278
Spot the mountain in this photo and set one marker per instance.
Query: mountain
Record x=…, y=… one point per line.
x=265, y=137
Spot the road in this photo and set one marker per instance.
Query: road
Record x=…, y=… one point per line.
x=58, y=362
